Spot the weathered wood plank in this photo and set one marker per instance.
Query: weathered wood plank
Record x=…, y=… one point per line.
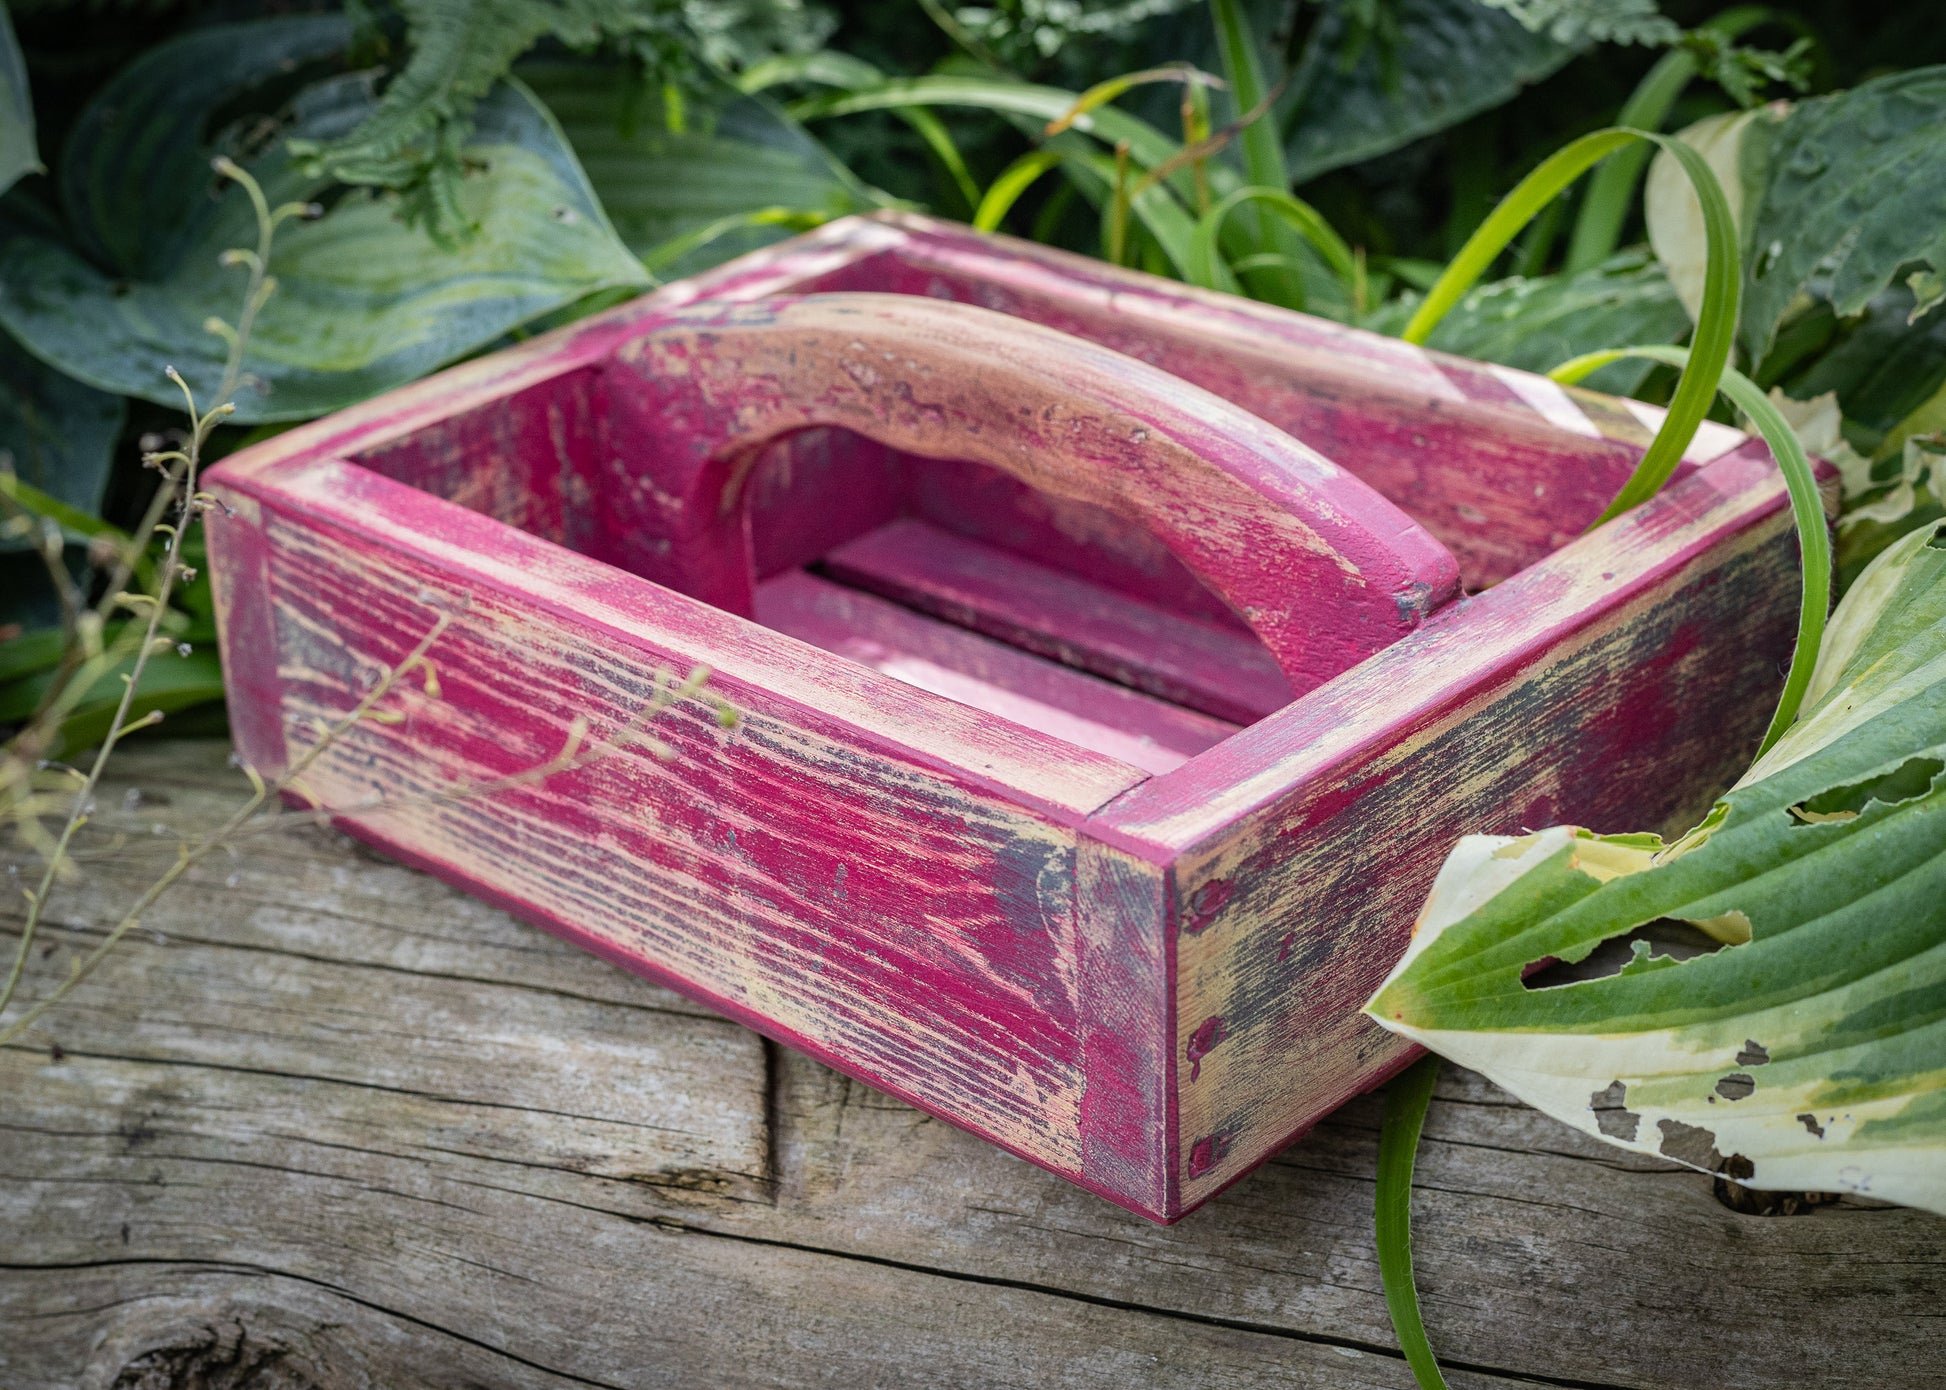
x=272, y=1142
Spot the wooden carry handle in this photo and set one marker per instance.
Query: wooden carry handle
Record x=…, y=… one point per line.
x=1322, y=568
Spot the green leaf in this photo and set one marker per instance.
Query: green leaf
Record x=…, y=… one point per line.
x=58, y=434
x=1598, y=226
x=363, y=303
x=1853, y=189
x=18, y=155
x=28, y=653
x=735, y=156
x=171, y=681
x=1534, y=323
x=1355, y=96
x=1886, y=368
x=457, y=50
x=1670, y=206
x=1716, y=320
x=58, y=438
x=1809, y=1050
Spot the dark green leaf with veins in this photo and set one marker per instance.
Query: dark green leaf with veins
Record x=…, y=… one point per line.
x=1855, y=192
x=363, y=302
x=1354, y=97
x=413, y=139
x=735, y=159
x=57, y=434
x=1538, y=322
x=17, y=153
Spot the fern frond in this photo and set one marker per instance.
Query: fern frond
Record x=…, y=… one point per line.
x=1593, y=21
x=458, y=49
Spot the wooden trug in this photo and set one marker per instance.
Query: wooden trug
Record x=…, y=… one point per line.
x=1097, y=739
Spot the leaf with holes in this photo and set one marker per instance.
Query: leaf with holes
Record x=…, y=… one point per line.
x=363, y=303
x=1852, y=189
x=1779, y=1010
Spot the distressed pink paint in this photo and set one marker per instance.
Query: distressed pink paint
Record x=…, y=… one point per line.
x=992, y=586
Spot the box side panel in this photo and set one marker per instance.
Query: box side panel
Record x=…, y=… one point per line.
x=239, y=565
x=521, y=458
x=1292, y=917
x=910, y=924
x=1122, y=916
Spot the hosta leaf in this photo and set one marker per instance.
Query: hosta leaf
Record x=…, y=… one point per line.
x=1538, y=322
x=1356, y=95
x=17, y=153
x=1670, y=206
x=58, y=434
x=1854, y=189
x=457, y=50
x=736, y=158
x=1809, y=1051
x=363, y=302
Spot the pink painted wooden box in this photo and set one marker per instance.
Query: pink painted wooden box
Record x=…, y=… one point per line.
x=1098, y=739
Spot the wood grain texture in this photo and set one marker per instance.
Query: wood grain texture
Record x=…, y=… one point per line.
x=1057, y=614
x=1325, y=570
x=997, y=677
x=1501, y=465
x=807, y=868
x=1558, y=696
x=269, y=1158
x=888, y=875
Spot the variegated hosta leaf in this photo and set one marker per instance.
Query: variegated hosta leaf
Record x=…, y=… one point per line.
x=1806, y=1052
x=1671, y=209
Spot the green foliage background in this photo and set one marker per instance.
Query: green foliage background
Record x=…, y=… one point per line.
x=488, y=167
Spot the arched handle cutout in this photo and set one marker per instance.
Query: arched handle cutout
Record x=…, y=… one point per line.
x=1322, y=568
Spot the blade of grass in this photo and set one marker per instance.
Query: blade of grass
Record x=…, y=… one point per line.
x=1147, y=145
x=1102, y=93
x=1006, y=188
x=1715, y=323
x=1114, y=235
x=1598, y=226
x=1300, y=216
x=842, y=70
x=826, y=67
x=1807, y=510
x=1161, y=214
x=659, y=258
x=1162, y=207
x=1262, y=145
x=939, y=140
x=1406, y=1102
